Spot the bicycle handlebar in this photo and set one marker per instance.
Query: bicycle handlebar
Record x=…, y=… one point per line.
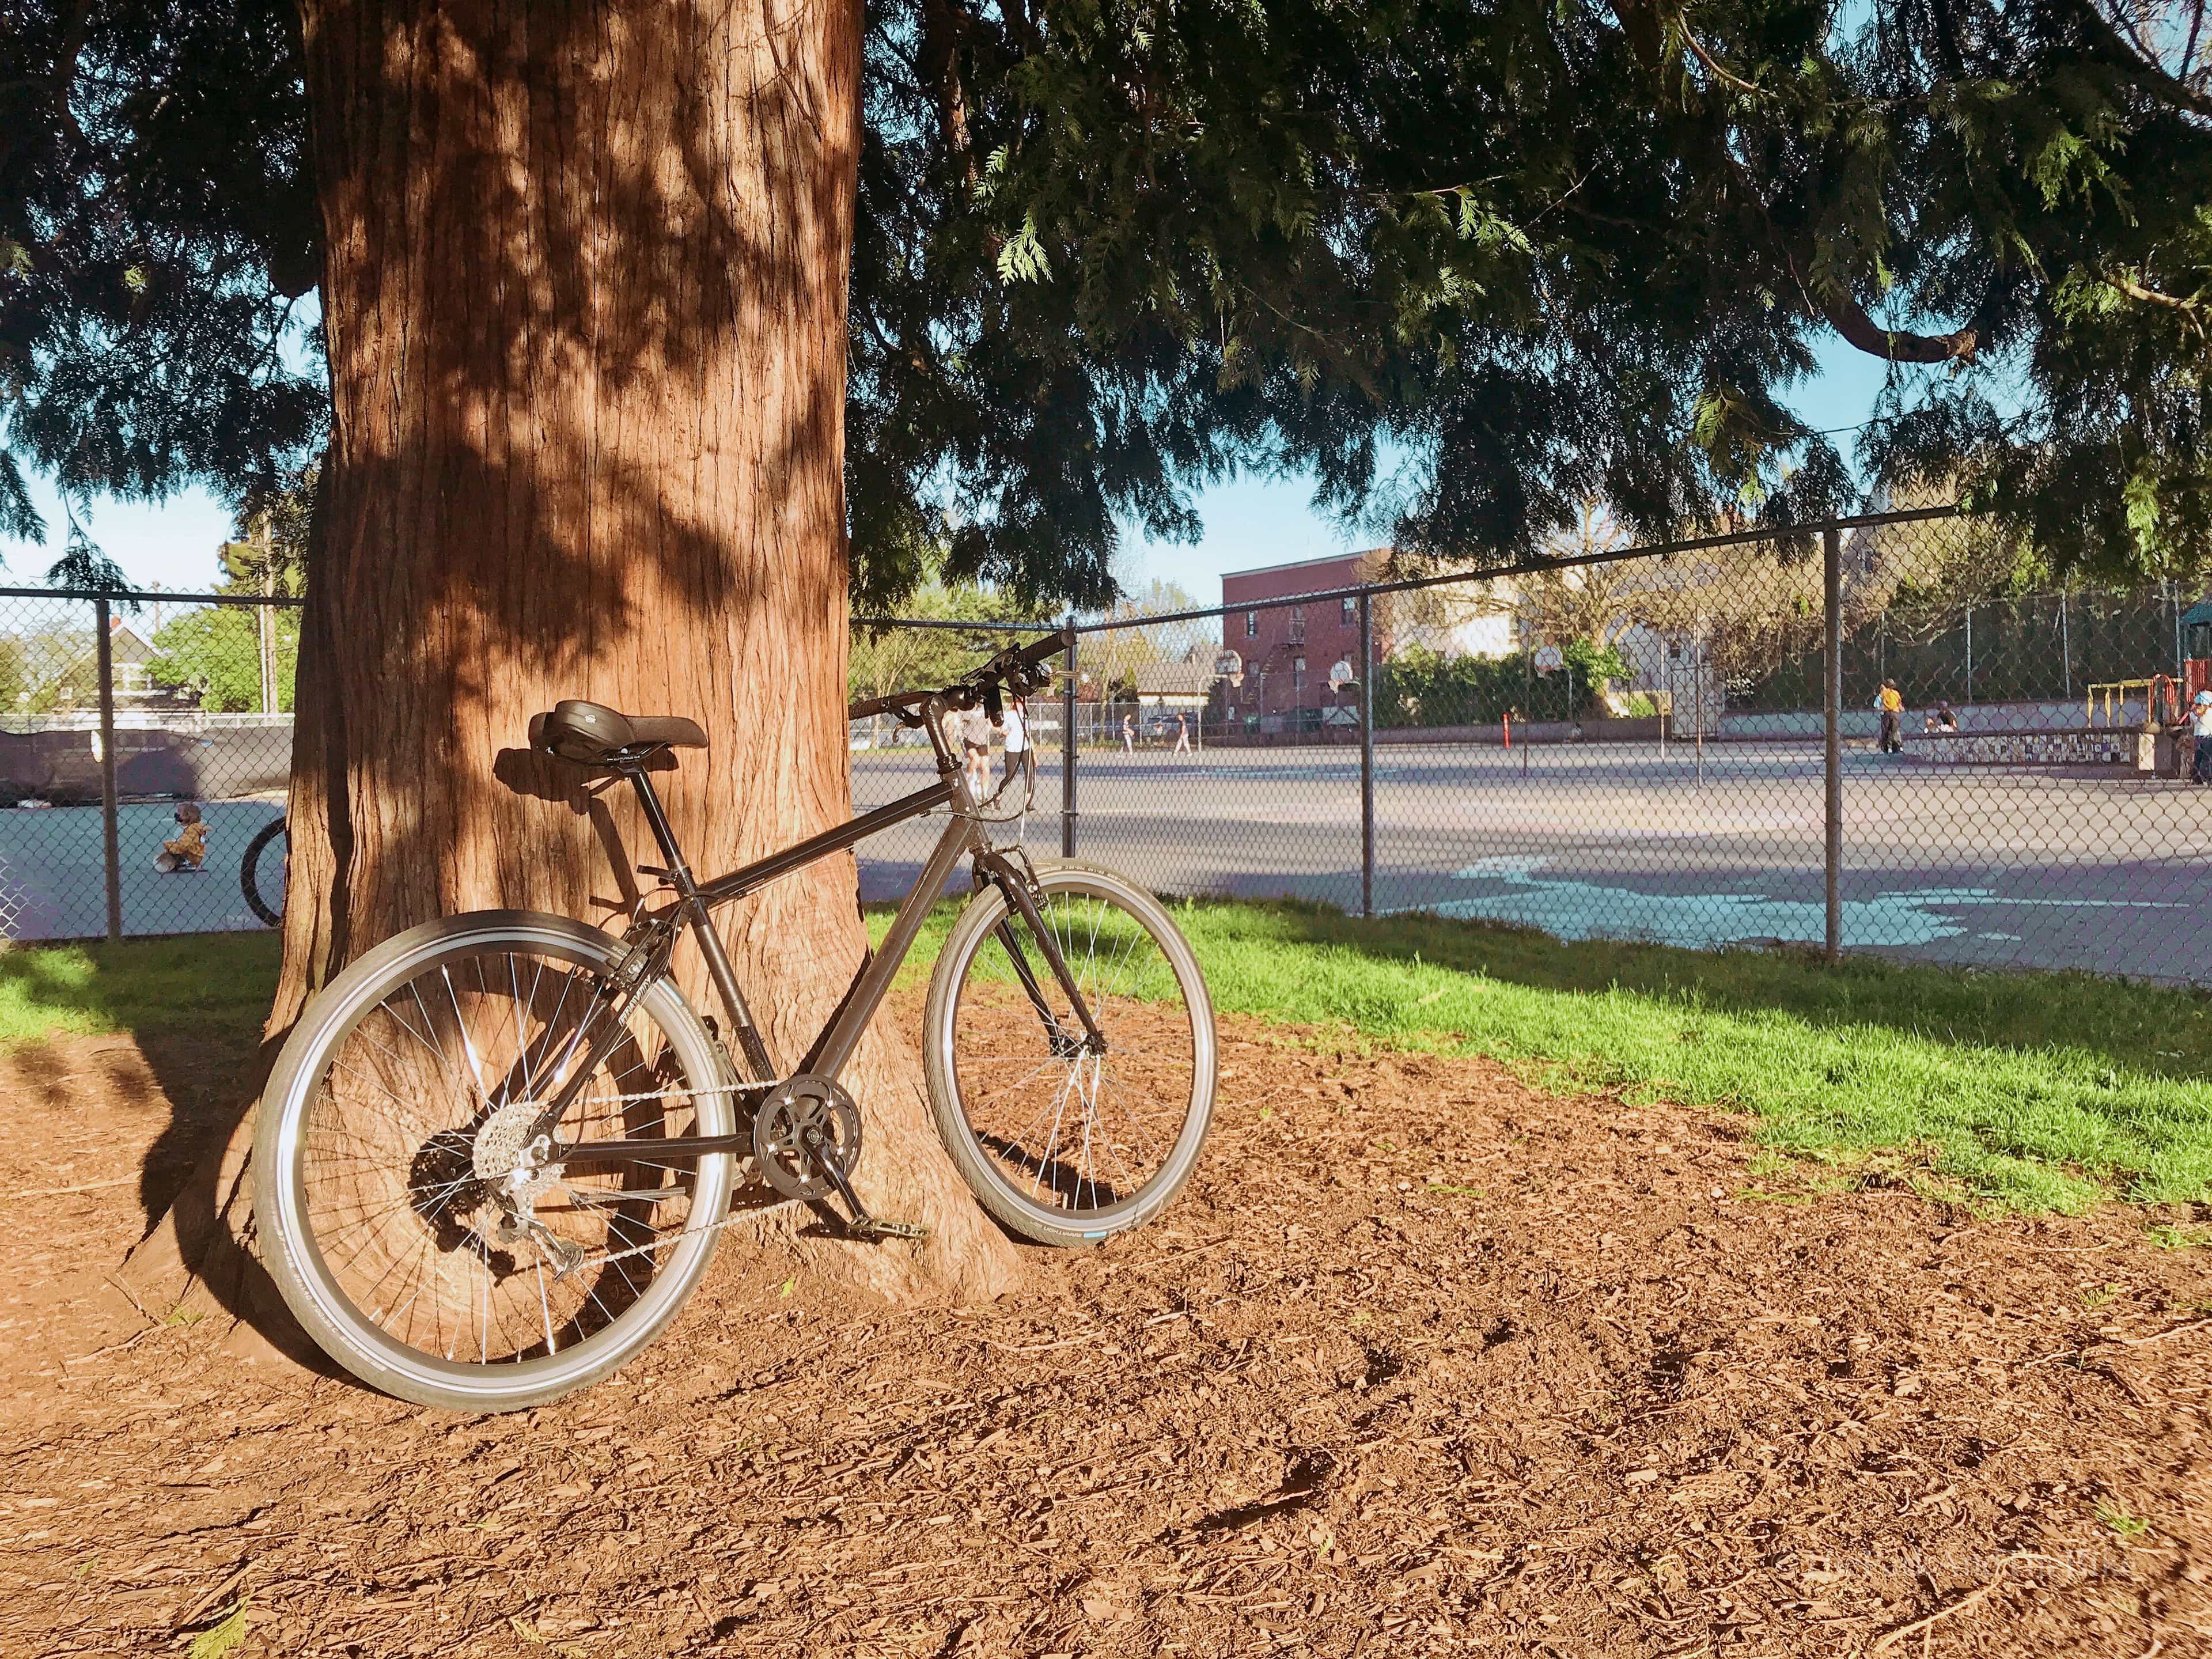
x=1013, y=668
x=891, y=705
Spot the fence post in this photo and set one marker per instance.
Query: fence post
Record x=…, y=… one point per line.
x=111, y=839
x=1697, y=695
x=1067, y=751
x=1832, y=586
x=2065, y=646
x=1366, y=754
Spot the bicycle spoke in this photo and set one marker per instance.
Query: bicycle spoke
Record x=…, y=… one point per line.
x=417, y=1239
x=1074, y=1130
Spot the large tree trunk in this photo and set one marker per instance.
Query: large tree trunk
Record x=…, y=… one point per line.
x=585, y=301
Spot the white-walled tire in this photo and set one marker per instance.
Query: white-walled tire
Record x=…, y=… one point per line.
x=369, y=1193
x=1063, y=1145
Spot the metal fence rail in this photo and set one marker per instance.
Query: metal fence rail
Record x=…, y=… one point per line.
x=1683, y=744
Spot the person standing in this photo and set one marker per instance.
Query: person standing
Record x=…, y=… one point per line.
x=975, y=749
x=1891, y=704
x=1129, y=734
x=2200, y=728
x=1183, y=734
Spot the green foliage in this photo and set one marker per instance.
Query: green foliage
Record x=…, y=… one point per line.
x=888, y=660
x=1423, y=687
x=226, y=1636
x=216, y=652
x=49, y=668
x=157, y=227
x=1471, y=266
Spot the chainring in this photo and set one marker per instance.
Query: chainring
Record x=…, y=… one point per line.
x=806, y=1123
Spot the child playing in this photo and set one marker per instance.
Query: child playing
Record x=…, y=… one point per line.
x=189, y=850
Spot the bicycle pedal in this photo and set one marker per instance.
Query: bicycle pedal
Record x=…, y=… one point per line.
x=876, y=1226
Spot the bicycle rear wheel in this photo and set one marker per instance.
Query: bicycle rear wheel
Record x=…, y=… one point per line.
x=262, y=872
x=408, y=1227
x=1066, y=1144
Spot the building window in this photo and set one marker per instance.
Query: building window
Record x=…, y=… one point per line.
x=1297, y=624
x=1351, y=609
x=1251, y=624
x=1298, y=674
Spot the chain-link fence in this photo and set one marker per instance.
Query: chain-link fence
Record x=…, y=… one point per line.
x=145, y=743
x=1638, y=743
x=1641, y=744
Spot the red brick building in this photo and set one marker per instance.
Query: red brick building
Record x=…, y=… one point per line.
x=1288, y=650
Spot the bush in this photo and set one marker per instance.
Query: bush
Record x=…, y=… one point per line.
x=1421, y=687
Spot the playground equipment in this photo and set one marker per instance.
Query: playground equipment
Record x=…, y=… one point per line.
x=2112, y=697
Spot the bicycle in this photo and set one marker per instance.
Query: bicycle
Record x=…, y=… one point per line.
x=495, y=1154
x=250, y=872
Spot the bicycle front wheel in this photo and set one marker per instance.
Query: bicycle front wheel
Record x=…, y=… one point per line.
x=409, y=1225
x=1064, y=1142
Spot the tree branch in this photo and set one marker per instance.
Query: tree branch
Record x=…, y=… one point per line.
x=1849, y=318
x=2144, y=72
x=1712, y=68
x=939, y=65
x=2136, y=290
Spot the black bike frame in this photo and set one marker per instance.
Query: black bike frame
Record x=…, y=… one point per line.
x=695, y=902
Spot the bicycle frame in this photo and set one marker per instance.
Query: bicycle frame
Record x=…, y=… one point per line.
x=833, y=1046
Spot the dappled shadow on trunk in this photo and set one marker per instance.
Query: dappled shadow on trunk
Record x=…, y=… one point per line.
x=585, y=288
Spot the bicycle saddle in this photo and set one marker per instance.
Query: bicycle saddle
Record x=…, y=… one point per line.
x=592, y=732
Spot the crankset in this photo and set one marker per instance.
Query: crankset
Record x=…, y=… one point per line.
x=807, y=1139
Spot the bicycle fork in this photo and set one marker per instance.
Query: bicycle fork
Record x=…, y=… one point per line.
x=1016, y=883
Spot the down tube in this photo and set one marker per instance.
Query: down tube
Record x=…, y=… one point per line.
x=838, y=1042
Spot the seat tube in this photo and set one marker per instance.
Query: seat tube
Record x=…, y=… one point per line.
x=757, y=1058
x=656, y=815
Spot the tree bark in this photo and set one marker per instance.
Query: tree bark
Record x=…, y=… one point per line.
x=585, y=297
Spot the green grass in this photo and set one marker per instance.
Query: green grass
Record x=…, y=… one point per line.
x=2036, y=1090
x=213, y=980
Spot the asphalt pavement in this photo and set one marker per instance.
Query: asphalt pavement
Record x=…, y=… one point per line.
x=2089, y=868
x=2044, y=868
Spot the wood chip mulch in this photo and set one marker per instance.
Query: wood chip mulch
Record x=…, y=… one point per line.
x=1424, y=1362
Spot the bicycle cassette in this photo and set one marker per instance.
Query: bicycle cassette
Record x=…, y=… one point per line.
x=808, y=1128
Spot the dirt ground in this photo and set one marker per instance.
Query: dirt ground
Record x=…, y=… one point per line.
x=1422, y=1362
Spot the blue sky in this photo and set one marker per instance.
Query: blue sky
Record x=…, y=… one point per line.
x=1250, y=521
x=1259, y=521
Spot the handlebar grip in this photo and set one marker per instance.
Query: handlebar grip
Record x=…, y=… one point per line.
x=894, y=703
x=1050, y=646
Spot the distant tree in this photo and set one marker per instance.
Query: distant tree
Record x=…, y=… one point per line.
x=887, y=659
x=215, y=651
x=52, y=668
x=1110, y=661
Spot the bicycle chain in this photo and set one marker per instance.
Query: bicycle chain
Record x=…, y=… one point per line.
x=729, y=1220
